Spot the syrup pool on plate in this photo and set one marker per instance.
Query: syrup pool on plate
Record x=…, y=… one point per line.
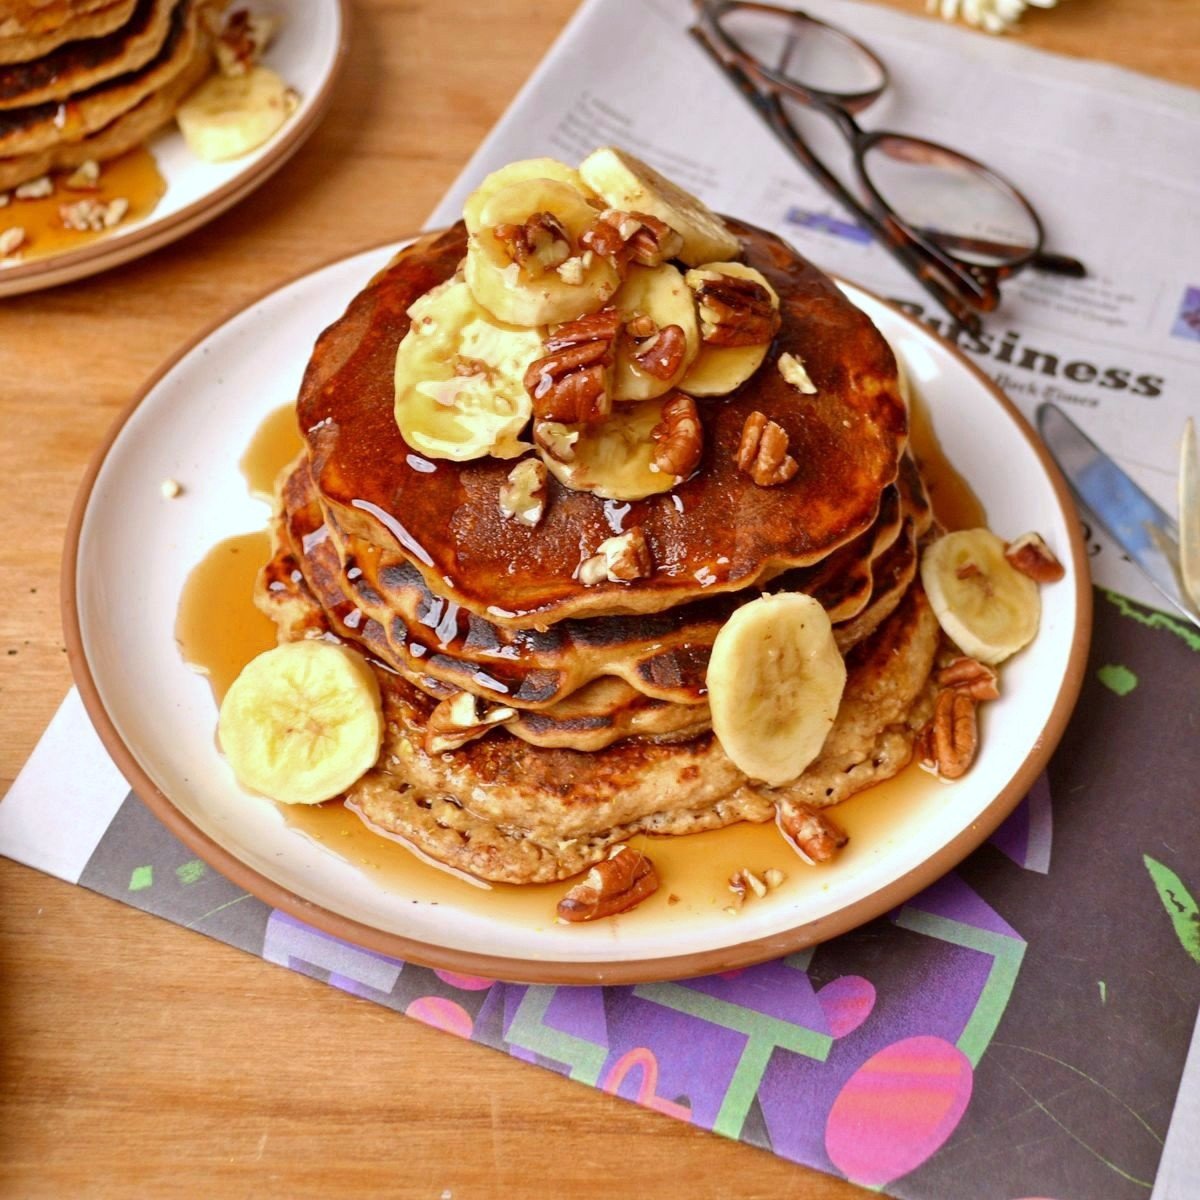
x=133, y=177
x=693, y=871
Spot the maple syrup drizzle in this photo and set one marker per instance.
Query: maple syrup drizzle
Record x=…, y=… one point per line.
x=134, y=176
x=693, y=871
x=955, y=505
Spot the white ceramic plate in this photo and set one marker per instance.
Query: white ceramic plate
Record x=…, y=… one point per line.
x=129, y=553
x=307, y=53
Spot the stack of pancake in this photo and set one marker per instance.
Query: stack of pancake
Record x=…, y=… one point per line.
x=590, y=716
x=89, y=79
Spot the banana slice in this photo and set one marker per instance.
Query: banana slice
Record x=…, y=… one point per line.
x=537, y=274
x=627, y=183
x=460, y=378
x=518, y=172
x=719, y=369
x=654, y=299
x=984, y=605
x=775, y=681
x=614, y=459
x=302, y=722
x=228, y=116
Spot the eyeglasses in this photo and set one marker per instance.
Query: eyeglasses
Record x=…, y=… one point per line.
x=956, y=225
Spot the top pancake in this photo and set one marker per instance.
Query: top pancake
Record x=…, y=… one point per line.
x=78, y=65
x=716, y=532
x=25, y=18
x=19, y=45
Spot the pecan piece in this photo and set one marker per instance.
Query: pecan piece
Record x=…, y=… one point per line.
x=955, y=733
x=624, y=879
x=815, y=835
x=524, y=495
x=1031, y=556
x=762, y=453
x=572, y=382
x=539, y=243
x=678, y=437
x=619, y=559
x=241, y=43
x=794, y=374
x=965, y=674
x=733, y=311
x=457, y=720
x=556, y=440
x=622, y=237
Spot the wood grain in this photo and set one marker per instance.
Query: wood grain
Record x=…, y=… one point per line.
x=138, y=1059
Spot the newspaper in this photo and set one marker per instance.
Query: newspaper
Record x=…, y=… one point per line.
x=1110, y=161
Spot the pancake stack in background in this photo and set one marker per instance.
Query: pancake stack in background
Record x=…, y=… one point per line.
x=614, y=500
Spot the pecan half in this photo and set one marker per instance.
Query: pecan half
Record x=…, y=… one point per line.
x=955, y=736
x=1031, y=556
x=572, y=382
x=620, y=559
x=524, y=494
x=539, y=243
x=624, y=237
x=816, y=836
x=762, y=453
x=733, y=311
x=965, y=674
x=457, y=720
x=678, y=437
x=661, y=353
x=624, y=879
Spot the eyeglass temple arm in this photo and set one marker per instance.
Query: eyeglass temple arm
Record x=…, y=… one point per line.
x=1054, y=264
x=769, y=109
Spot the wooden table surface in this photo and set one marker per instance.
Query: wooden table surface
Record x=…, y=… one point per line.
x=138, y=1059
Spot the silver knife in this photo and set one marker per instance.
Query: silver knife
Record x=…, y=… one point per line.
x=1142, y=529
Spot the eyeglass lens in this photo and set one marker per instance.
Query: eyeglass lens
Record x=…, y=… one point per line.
x=966, y=211
x=801, y=51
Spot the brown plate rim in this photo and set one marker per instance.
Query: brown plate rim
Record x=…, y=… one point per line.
x=106, y=253
x=581, y=971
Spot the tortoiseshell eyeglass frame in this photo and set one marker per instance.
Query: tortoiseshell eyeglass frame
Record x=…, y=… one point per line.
x=961, y=287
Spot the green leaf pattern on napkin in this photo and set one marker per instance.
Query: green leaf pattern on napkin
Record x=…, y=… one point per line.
x=1179, y=903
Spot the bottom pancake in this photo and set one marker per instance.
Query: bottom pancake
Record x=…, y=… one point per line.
x=506, y=811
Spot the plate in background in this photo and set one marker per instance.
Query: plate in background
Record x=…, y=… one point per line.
x=308, y=52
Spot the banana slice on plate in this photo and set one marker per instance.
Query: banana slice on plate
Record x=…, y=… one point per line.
x=518, y=172
x=661, y=337
x=614, y=459
x=986, y=607
x=739, y=317
x=627, y=183
x=775, y=681
x=230, y=115
x=525, y=264
x=302, y=722
x=460, y=378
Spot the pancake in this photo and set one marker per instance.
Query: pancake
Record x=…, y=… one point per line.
x=309, y=601
x=127, y=131
x=661, y=655
x=504, y=811
x=30, y=18
x=39, y=127
x=79, y=65
x=716, y=532
x=18, y=47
